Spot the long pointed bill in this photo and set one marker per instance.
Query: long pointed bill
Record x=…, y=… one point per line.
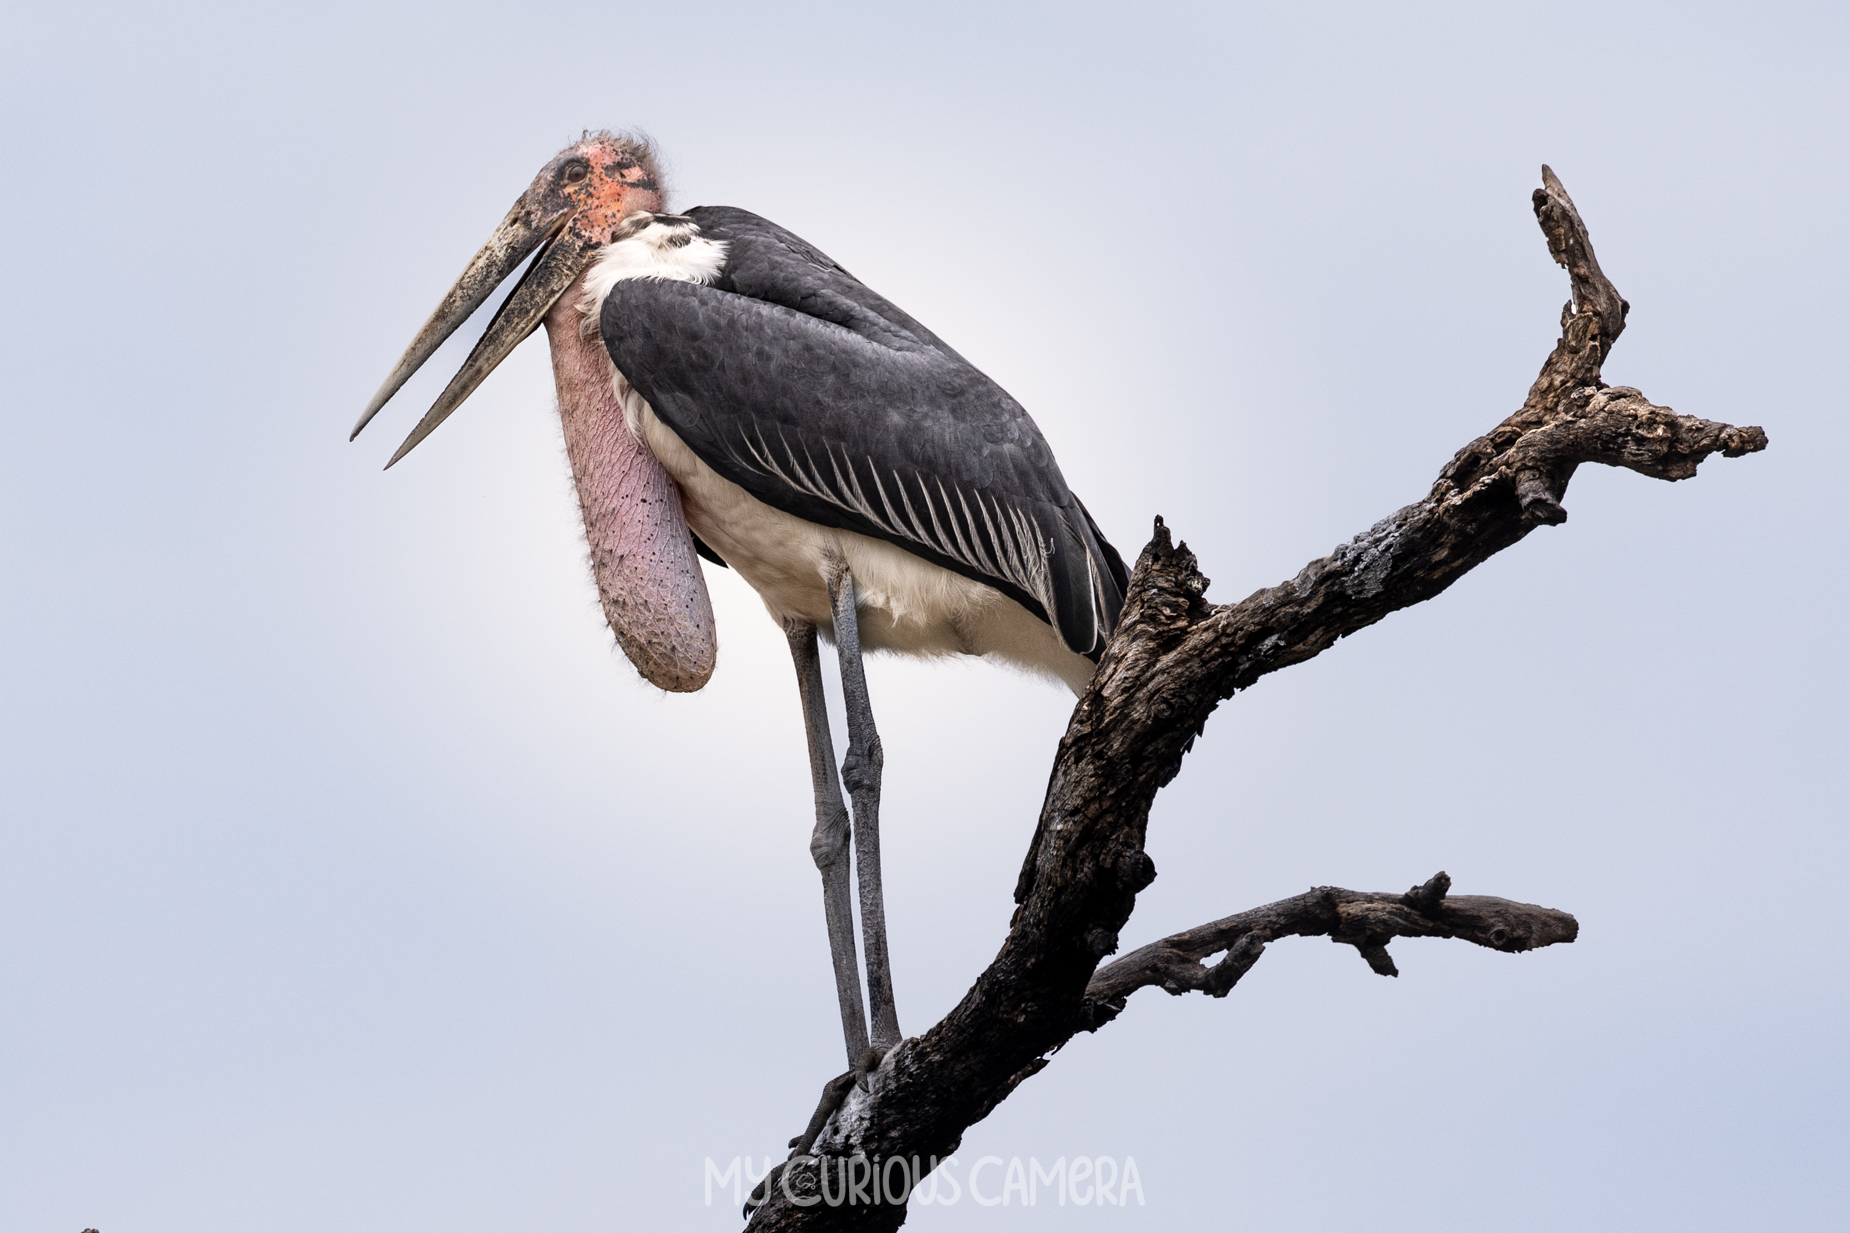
x=557, y=265
x=517, y=236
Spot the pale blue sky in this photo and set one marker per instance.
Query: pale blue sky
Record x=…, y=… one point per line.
x=350, y=879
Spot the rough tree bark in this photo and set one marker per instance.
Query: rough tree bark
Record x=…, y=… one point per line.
x=1173, y=659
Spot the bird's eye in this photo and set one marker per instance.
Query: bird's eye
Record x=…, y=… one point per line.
x=574, y=172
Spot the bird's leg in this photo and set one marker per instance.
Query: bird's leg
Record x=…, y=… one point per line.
x=861, y=773
x=829, y=843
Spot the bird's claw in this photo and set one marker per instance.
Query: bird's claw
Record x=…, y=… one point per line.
x=761, y=1193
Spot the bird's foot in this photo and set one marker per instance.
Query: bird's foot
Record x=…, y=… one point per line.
x=834, y=1092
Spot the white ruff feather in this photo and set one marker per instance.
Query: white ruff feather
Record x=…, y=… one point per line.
x=651, y=246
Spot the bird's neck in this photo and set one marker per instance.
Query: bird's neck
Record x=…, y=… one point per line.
x=581, y=372
x=642, y=554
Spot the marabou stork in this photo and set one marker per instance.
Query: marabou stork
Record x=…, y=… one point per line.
x=729, y=391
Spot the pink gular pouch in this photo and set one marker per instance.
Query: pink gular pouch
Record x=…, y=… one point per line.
x=649, y=578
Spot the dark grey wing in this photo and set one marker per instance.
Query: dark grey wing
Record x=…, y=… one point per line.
x=790, y=378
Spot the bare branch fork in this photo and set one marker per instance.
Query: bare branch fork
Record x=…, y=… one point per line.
x=1173, y=659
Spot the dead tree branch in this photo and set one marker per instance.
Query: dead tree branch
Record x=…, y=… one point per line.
x=1173, y=659
x=1365, y=921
